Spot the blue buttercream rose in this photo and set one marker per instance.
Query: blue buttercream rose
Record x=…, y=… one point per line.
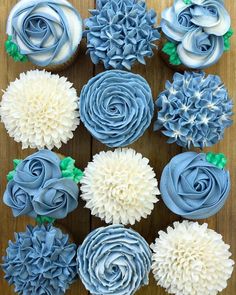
x=114, y=260
x=194, y=188
x=116, y=107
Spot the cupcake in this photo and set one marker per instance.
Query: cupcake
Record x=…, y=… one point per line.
x=195, y=33
x=45, y=32
x=119, y=186
x=194, y=185
x=41, y=260
x=43, y=186
x=194, y=110
x=40, y=110
x=114, y=260
x=116, y=107
x=191, y=259
x=120, y=33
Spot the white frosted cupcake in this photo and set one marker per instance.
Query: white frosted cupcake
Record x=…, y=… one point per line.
x=119, y=186
x=40, y=110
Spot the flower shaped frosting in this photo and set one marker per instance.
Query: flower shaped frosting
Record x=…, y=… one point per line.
x=121, y=32
x=191, y=259
x=114, y=260
x=40, y=261
x=194, y=188
x=116, y=107
x=40, y=110
x=46, y=32
x=119, y=186
x=197, y=31
x=194, y=110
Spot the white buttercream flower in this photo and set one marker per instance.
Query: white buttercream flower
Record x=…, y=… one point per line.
x=40, y=110
x=119, y=186
x=191, y=259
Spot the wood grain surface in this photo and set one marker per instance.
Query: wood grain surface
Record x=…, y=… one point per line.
x=152, y=145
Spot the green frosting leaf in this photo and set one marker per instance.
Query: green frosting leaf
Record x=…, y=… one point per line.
x=11, y=174
x=44, y=219
x=219, y=160
x=170, y=49
x=69, y=170
x=13, y=50
x=187, y=2
x=227, y=37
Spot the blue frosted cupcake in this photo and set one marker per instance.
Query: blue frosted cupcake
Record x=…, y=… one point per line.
x=120, y=33
x=114, y=260
x=116, y=107
x=194, y=110
x=43, y=186
x=195, y=186
x=41, y=260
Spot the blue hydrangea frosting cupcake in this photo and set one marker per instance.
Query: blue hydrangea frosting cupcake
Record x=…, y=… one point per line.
x=195, y=186
x=116, y=107
x=194, y=110
x=43, y=186
x=114, y=260
x=44, y=32
x=196, y=33
x=121, y=32
x=41, y=260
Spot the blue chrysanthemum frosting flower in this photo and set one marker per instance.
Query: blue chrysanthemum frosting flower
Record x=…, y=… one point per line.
x=41, y=261
x=114, y=260
x=121, y=32
x=194, y=110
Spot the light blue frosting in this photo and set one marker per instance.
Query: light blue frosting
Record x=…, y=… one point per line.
x=194, y=188
x=121, y=32
x=194, y=110
x=116, y=107
x=41, y=261
x=197, y=29
x=114, y=260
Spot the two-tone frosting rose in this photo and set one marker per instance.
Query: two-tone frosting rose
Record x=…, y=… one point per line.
x=46, y=32
x=193, y=187
x=116, y=107
x=197, y=32
x=114, y=260
x=43, y=185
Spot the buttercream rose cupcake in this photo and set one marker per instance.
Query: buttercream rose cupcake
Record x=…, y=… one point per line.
x=195, y=185
x=120, y=33
x=43, y=186
x=44, y=32
x=196, y=33
x=194, y=110
x=114, y=260
x=191, y=259
x=120, y=186
x=116, y=107
x=40, y=110
x=41, y=260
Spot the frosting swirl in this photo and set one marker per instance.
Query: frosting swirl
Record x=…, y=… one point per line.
x=57, y=198
x=114, y=260
x=40, y=261
x=194, y=188
x=48, y=32
x=116, y=107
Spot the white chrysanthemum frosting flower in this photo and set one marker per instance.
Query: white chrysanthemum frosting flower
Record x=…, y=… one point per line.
x=40, y=110
x=191, y=259
x=119, y=186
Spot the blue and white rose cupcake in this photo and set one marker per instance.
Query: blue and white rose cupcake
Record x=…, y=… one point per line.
x=43, y=186
x=44, y=32
x=196, y=33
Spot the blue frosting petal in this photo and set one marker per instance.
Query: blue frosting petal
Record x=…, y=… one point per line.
x=114, y=260
x=194, y=188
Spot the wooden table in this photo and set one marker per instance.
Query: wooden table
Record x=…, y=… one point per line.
x=152, y=145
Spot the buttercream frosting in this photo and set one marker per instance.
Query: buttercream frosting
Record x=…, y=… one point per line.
x=116, y=107
x=48, y=32
x=114, y=260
